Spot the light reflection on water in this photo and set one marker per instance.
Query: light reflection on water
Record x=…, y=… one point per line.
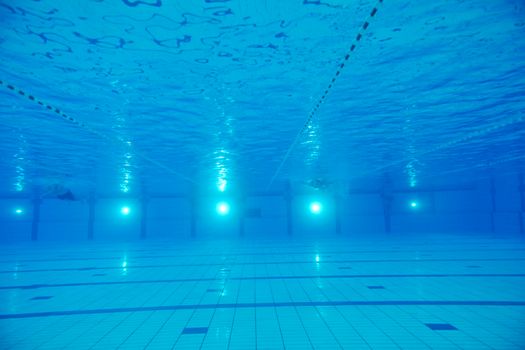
x=411, y=168
x=20, y=159
x=223, y=137
x=121, y=122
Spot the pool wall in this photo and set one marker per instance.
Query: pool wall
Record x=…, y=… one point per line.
x=493, y=205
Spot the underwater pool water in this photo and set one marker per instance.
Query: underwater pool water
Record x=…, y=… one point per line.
x=241, y=174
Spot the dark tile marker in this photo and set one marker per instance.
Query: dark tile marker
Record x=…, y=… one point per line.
x=43, y=297
x=195, y=330
x=441, y=326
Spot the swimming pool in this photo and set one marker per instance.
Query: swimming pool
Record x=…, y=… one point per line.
x=262, y=174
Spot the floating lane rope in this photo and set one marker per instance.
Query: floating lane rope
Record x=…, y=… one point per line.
x=316, y=107
x=64, y=116
x=515, y=119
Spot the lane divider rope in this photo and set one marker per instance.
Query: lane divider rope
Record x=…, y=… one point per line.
x=466, y=138
x=58, y=112
x=322, y=99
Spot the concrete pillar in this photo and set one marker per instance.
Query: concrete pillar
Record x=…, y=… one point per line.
x=387, y=212
x=387, y=197
x=521, y=188
x=144, y=217
x=242, y=214
x=338, y=214
x=91, y=216
x=193, y=217
x=36, y=218
x=492, y=205
x=289, y=214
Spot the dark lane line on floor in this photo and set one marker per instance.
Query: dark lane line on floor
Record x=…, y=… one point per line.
x=265, y=305
x=418, y=251
x=226, y=263
x=246, y=278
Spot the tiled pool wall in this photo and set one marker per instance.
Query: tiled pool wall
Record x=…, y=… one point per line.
x=490, y=206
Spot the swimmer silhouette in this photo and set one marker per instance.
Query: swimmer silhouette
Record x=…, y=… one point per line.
x=59, y=191
x=319, y=184
x=68, y=196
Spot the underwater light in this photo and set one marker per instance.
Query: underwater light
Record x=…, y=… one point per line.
x=19, y=211
x=413, y=204
x=315, y=207
x=223, y=208
x=125, y=210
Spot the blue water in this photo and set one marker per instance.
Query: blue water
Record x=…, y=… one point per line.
x=262, y=174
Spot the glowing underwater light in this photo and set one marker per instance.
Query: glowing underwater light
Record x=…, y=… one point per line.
x=223, y=208
x=125, y=210
x=315, y=207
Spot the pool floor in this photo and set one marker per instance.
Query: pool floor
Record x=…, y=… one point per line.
x=430, y=292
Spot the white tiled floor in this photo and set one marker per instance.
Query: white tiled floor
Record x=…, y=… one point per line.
x=292, y=294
